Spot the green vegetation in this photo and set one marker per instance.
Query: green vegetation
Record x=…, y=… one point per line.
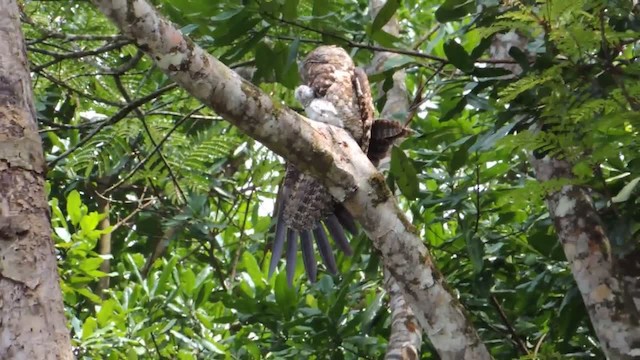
x=119, y=135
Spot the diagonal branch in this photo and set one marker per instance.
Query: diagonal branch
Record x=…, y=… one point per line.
x=325, y=152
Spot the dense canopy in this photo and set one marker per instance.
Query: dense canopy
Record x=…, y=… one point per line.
x=162, y=210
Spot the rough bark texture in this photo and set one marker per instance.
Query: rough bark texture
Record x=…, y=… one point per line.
x=607, y=284
x=406, y=334
x=613, y=313
x=32, y=321
x=328, y=154
x=405, y=339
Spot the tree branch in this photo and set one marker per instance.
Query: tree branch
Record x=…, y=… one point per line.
x=325, y=152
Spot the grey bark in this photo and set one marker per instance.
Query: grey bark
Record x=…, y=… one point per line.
x=608, y=285
x=326, y=153
x=32, y=321
x=405, y=339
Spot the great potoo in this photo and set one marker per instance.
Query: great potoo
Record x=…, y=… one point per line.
x=335, y=92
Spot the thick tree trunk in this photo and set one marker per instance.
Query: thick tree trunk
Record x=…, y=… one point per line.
x=600, y=279
x=325, y=152
x=608, y=285
x=32, y=321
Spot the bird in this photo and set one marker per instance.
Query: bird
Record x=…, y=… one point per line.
x=336, y=92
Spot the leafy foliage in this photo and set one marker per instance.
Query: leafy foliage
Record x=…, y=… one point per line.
x=174, y=173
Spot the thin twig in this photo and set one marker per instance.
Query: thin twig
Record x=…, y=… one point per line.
x=419, y=100
x=58, y=57
x=78, y=92
x=133, y=213
x=141, y=117
x=236, y=258
x=124, y=111
x=505, y=320
x=156, y=148
x=413, y=53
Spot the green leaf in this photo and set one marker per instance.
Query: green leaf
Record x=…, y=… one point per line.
x=571, y=313
x=290, y=9
x=187, y=282
x=404, y=173
x=293, y=53
x=203, y=276
x=475, y=249
x=286, y=296
x=453, y=10
x=480, y=49
x=455, y=111
x=89, y=327
x=458, y=56
x=286, y=73
x=90, y=221
x=320, y=8
x=107, y=312
x=489, y=73
x=161, y=283
x=372, y=309
x=89, y=295
x=384, y=15
x=336, y=309
x=225, y=15
x=384, y=38
x=89, y=264
x=396, y=62
x=251, y=265
x=626, y=191
x=236, y=53
x=519, y=56
x=74, y=207
x=239, y=28
x=459, y=158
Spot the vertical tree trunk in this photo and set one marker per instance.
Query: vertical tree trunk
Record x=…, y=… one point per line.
x=606, y=283
x=600, y=279
x=32, y=321
x=405, y=338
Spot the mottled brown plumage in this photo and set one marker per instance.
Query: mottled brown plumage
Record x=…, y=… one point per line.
x=338, y=93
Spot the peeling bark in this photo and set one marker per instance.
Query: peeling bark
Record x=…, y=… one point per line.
x=327, y=153
x=32, y=321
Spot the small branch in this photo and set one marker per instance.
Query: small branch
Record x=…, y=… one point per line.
x=157, y=148
x=58, y=57
x=114, y=119
x=505, y=320
x=419, y=100
x=78, y=92
x=190, y=115
x=413, y=53
x=140, y=207
x=238, y=253
x=140, y=115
